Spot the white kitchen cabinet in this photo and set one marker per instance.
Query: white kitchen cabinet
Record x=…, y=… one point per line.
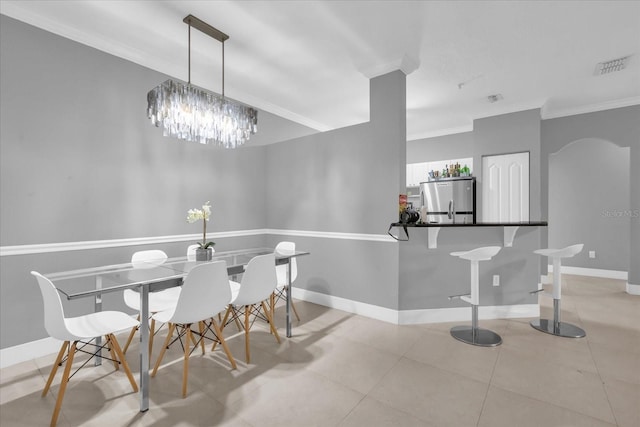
x=417, y=173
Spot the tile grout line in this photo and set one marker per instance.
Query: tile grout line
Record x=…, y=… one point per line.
x=367, y=395
x=593, y=359
x=543, y=401
x=493, y=370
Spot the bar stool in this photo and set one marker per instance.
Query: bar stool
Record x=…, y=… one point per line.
x=474, y=335
x=556, y=326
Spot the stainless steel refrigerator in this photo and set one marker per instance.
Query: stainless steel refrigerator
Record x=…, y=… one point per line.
x=449, y=200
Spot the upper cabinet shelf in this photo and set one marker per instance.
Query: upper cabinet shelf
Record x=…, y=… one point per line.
x=419, y=172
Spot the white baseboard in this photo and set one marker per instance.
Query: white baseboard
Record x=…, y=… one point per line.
x=633, y=289
x=593, y=272
x=355, y=307
x=462, y=314
x=28, y=351
x=408, y=317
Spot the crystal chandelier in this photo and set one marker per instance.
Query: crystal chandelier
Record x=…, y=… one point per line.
x=185, y=111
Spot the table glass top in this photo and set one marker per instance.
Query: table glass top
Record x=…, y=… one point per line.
x=111, y=278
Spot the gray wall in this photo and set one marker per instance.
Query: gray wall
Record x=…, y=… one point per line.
x=621, y=127
x=429, y=276
x=455, y=146
x=346, y=180
x=315, y=183
x=79, y=161
x=507, y=133
x=510, y=133
x=589, y=203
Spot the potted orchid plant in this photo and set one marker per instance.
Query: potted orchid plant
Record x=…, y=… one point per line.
x=205, y=250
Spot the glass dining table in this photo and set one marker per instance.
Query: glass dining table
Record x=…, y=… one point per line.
x=95, y=282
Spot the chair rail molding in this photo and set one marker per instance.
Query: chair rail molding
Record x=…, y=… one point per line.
x=139, y=241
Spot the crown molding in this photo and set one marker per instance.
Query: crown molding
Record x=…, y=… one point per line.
x=551, y=113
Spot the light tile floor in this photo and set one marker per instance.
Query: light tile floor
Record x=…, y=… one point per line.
x=345, y=370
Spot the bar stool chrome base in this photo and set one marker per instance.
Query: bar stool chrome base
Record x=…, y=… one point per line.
x=556, y=326
x=482, y=337
x=561, y=329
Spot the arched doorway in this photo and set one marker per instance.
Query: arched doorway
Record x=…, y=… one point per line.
x=589, y=202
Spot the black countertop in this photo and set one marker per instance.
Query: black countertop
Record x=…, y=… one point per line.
x=437, y=226
x=477, y=224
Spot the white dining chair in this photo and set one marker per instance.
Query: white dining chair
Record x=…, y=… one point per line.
x=158, y=300
x=205, y=293
x=82, y=330
x=282, y=288
x=249, y=296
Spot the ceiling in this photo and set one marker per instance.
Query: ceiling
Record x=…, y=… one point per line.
x=311, y=61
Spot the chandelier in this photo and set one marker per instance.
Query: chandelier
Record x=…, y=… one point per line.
x=189, y=112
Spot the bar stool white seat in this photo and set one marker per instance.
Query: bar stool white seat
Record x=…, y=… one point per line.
x=473, y=334
x=556, y=326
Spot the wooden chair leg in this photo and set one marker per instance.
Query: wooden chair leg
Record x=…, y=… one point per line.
x=274, y=331
x=108, y=343
x=123, y=360
x=238, y=324
x=223, y=343
x=63, y=384
x=185, y=367
x=231, y=309
x=272, y=303
x=152, y=332
x=247, y=311
x=201, y=326
x=223, y=324
x=293, y=306
x=54, y=369
x=190, y=332
x=131, y=334
x=172, y=327
x=213, y=345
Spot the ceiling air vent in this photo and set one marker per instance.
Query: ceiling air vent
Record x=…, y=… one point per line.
x=611, y=66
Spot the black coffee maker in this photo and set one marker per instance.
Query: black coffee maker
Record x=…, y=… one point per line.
x=409, y=215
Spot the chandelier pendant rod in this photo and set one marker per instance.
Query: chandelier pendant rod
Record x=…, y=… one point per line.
x=211, y=32
x=223, y=69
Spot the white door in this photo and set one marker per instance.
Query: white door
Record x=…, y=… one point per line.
x=505, y=188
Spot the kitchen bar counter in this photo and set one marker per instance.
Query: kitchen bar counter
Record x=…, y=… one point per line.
x=429, y=274
x=510, y=229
